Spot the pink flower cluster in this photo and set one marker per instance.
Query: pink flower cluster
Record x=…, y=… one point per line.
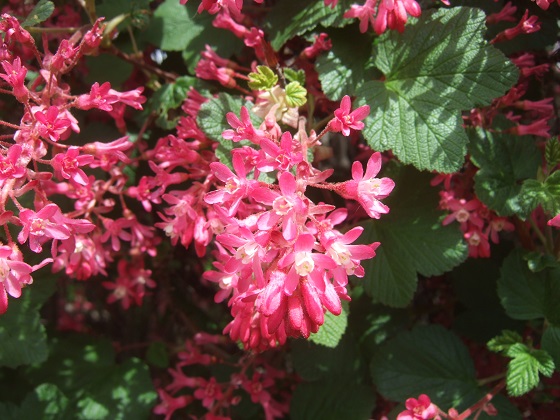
x=39, y=170
x=478, y=223
x=279, y=256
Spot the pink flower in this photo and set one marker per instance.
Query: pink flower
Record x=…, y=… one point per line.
x=67, y=165
x=14, y=274
x=418, y=409
x=10, y=165
x=99, y=97
x=50, y=125
x=243, y=128
x=41, y=226
x=170, y=404
x=344, y=120
x=365, y=14
x=208, y=392
x=555, y=221
x=366, y=189
x=15, y=77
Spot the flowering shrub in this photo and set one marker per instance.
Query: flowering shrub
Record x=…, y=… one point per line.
x=223, y=209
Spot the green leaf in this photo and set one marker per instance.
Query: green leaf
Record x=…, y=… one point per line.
x=522, y=292
x=157, y=354
x=169, y=97
x=41, y=12
x=503, y=342
x=523, y=370
x=314, y=362
x=263, y=79
x=97, y=388
x=332, y=330
x=46, y=399
x=429, y=80
x=296, y=95
x=174, y=26
x=294, y=75
x=552, y=152
x=412, y=240
x=504, y=160
x=22, y=335
x=551, y=343
x=290, y=18
x=332, y=400
x=427, y=360
x=546, y=194
x=342, y=70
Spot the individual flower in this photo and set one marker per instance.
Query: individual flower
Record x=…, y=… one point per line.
x=14, y=274
x=418, y=409
x=50, y=124
x=555, y=221
x=67, y=165
x=344, y=120
x=366, y=189
x=39, y=226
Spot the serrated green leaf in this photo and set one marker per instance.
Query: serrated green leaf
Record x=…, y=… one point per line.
x=296, y=95
x=41, y=12
x=342, y=69
x=332, y=330
x=332, y=400
x=23, y=339
x=294, y=75
x=429, y=80
x=290, y=18
x=412, y=240
x=263, y=79
x=523, y=370
x=503, y=342
x=427, y=360
x=504, y=160
x=551, y=343
x=547, y=194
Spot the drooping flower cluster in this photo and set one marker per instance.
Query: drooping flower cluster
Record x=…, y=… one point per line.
x=280, y=255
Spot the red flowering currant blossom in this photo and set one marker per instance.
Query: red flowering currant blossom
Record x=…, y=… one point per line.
x=365, y=14
x=50, y=126
x=366, y=189
x=545, y=4
x=15, y=77
x=419, y=409
x=208, y=391
x=67, y=165
x=170, y=404
x=40, y=226
x=479, y=247
x=344, y=120
x=10, y=165
x=243, y=128
x=394, y=14
x=14, y=274
x=555, y=221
